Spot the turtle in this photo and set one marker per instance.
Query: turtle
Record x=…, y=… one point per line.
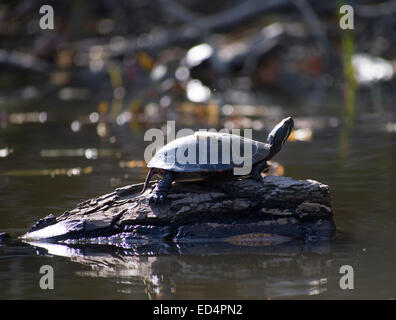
x=175, y=160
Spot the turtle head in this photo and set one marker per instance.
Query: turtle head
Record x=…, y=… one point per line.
x=278, y=136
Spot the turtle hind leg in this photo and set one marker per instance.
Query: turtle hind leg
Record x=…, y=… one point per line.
x=257, y=169
x=161, y=190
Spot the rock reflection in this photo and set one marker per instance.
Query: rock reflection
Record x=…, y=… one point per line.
x=206, y=270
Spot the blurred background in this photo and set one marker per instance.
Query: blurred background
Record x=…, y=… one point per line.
x=75, y=102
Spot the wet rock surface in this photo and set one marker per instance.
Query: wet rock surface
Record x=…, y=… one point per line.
x=4, y=237
x=274, y=211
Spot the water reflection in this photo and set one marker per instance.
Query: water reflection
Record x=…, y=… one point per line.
x=194, y=270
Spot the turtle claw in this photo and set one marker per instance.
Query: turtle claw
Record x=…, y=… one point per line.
x=257, y=177
x=158, y=198
x=260, y=180
x=256, y=173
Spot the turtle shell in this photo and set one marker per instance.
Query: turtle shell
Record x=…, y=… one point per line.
x=203, y=152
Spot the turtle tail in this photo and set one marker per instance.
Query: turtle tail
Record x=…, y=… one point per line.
x=146, y=183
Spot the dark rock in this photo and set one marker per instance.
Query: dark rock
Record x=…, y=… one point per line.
x=4, y=237
x=44, y=222
x=277, y=210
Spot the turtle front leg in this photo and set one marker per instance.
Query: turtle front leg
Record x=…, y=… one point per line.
x=257, y=169
x=161, y=190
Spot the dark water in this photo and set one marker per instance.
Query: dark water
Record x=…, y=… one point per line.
x=359, y=165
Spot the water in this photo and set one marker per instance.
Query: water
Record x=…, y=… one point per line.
x=359, y=166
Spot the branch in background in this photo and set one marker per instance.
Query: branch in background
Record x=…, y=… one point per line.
x=319, y=33
x=23, y=61
x=375, y=10
x=179, y=12
x=239, y=13
x=197, y=28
